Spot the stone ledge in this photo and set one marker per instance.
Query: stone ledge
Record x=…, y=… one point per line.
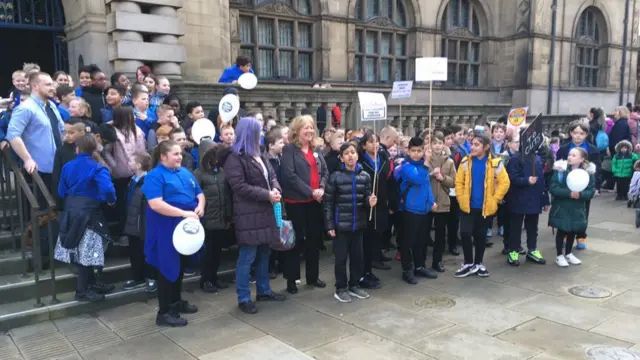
x=144, y=51
x=172, y=3
x=144, y=23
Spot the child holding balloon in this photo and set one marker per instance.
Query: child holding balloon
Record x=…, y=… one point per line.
x=572, y=186
x=173, y=194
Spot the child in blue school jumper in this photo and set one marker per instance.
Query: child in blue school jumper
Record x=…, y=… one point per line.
x=173, y=194
x=85, y=184
x=144, y=116
x=417, y=201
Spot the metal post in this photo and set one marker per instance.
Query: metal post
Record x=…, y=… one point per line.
x=623, y=63
x=552, y=54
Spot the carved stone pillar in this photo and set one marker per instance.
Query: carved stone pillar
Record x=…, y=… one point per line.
x=329, y=110
x=282, y=112
x=345, y=110
x=299, y=107
x=268, y=109
x=410, y=129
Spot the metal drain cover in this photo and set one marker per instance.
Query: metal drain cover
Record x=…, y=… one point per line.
x=590, y=292
x=434, y=302
x=602, y=352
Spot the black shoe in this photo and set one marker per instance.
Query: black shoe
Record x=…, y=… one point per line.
x=292, y=288
x=189, y=272
x=183, y=307
x=425, y=273
x=371, y=276
x=89, y=296
x=370, y=281
x=439, y=267
x=209, y=287
x=170, y=319
x=133, y=284
x=272, y=275
x=619, y=198
x=271, y=297
x=454, y=252
x=384, y=258
x=248, y=307
x=318, y=283
x=379, y=265
x=488, y=244
x=221, y=284
x=409, y=278
x=505, y=250
x=102, y=288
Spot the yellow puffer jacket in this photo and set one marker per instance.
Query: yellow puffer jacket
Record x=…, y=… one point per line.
x=496, y=185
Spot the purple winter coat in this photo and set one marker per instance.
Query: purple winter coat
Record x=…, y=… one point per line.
x=253, y=215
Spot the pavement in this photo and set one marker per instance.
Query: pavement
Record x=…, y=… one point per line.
x=517, y=313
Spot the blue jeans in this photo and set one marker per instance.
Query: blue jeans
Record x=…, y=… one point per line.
x=246, y=256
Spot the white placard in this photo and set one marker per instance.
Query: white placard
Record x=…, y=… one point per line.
x=373, y=106
x=431, y=69
x=402, y=89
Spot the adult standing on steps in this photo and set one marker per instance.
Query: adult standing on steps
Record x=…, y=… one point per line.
x=35, y=129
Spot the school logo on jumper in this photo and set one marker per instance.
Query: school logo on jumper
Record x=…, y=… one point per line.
x=190, y=228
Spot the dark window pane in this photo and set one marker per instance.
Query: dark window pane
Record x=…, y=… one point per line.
x=265, y=65
x=386, y=8
x=285, y=64
x=594, y=78
x=358, y=69
x=401, y=49
x=588, y=56
x=579, y=52
x=304, y=66
x=372, y=8
x=304, y=7
x=451, y=72
x=445, y=19
x=385, y=46
x=372, y=42
x=370, y=69
x=455, y=12
x=596, y=57
x=443, y=50
x=474, y=77
x=304, y=36
x=475, y=52
x=464, y=14
x=587, y=77
x=247, y=52
x=359, y=43
x=462, y=75
x=359, y=9
x=385, y=71
x=401, y=70
x=285, y=33
x=464, y=51
x=475, y=25
x=452, y=50
x=265, y=32
x=401, y=15
x=246, y=30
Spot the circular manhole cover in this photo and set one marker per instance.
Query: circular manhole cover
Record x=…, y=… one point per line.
x=434, y=302
x=602, y=352
x=590, y=292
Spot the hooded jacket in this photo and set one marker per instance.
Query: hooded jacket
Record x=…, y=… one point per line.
x=569, y=214
x=441, y=188
x=496, y=185
x=415, y=187
x=622, y=163
x=218, y=209
x=346, y=199
x=524, y=198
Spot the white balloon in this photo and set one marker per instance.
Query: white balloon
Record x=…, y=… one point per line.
x=188, y=236
x=248, y=81
x=228, y=107
x=202, y=129
x=578, y=180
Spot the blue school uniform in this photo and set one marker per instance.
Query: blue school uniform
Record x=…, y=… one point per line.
x=179, y=188
x=83, y=176
x=145, y=125
x=64, y=112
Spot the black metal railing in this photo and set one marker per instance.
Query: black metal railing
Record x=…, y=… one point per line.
x=28, y=197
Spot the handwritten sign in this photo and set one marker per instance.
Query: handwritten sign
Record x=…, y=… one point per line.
x=431, y=69
x=373, y=106
x=402, y=89
x=531, y=138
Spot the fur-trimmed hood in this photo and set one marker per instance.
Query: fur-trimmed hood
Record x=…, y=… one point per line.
x=626, y=143
x=562, y=165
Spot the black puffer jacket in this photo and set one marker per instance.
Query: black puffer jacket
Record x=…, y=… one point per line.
x=218, y=210
x=346, y=200
x=136, y=211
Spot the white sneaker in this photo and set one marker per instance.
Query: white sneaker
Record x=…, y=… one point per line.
x=561, y=261
x=573, y=260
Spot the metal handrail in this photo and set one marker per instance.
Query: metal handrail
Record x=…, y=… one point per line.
x=31, y=193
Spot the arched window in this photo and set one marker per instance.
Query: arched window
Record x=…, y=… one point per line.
x=461, y=42
x=278, y=36
x=381, y=41
x=589, y=53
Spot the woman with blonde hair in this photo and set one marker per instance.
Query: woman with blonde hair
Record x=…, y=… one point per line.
x=303, y=178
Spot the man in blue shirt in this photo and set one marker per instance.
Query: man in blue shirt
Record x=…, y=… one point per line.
x=35, y=129
x=231, y=74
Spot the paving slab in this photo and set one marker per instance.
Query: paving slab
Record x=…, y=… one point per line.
x=213, y=334
x=487, y=290
x=610, y=246
x=625, y=327
x=628, y=302
x=614, y=226
x=86, y=332
x=44, y=346
x=297, y=325
x=483, y=317
x=459, y=343
x=264, y=348
x=566, y=311
x=364, y=345
x=8, y=350
x=415, y=298
x=150, y=347
x=562, y=341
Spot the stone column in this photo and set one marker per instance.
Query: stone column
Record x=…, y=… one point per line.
x=410, y=129
x=299, y=107
x=268, y=109
x=329, y=109
x=282, y=112
x=344, y=111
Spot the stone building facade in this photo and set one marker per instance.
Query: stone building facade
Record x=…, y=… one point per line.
x=498, y=50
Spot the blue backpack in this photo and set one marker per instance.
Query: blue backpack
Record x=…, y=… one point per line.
x=602, y=140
